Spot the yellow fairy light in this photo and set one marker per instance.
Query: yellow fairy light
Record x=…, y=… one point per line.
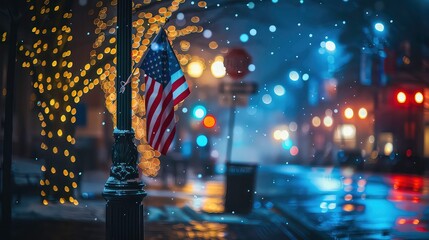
x=45, y=202
x=65, y=172
x=60, y=132
x=55, y=188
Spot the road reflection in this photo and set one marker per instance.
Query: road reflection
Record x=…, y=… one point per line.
x=352, y=205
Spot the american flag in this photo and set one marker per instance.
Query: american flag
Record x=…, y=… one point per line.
x=165, y=88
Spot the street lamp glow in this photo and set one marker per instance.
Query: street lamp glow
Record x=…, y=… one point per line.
x=418, y=97
x=348, y=131
x=328, y=121
x=281, y=135
x=218, y=69
x=379, y=27
x=363, y=113
x=388, y=148
x=330, y=46
x=316, y=121
x=348, y=113
x=195, y=69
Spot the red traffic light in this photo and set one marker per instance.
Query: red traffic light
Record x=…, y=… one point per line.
x=418, y=97
x=401, y=97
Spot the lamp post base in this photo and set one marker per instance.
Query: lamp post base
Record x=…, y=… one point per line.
x=124, y=192
x=124, y=213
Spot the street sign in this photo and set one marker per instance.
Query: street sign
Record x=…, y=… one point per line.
x=238, y=88
x=228, y=100
x=237, y=62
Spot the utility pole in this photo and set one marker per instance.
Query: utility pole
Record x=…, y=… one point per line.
x=123, y=190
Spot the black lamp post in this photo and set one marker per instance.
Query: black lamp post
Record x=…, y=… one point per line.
x=123, y=190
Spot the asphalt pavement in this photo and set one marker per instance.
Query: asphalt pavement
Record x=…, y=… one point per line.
x=290, y=202
x=192, y=210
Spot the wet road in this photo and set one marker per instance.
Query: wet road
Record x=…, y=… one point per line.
x=347, y=204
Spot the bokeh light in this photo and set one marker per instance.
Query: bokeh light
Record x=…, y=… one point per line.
x=199, y=112
x=195, y=69
x=379, y=27
x=330, y=46
x=217, y=68
x=267, y=99
x=209, y=121
x=362, y=113
x=293, y=75
x=202, y=140
x=348, y=113
x=279, y=90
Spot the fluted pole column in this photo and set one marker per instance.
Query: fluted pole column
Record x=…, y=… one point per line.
x=123, y=190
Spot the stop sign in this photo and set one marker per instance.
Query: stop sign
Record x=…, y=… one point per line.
x=237, y=62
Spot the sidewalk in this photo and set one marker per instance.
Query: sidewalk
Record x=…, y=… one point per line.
x=193, y=211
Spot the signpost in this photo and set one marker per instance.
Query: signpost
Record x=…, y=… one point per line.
x=240, y=178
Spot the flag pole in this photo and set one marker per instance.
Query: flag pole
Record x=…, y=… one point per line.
x=123, y=84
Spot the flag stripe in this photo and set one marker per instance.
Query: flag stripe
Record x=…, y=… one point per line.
x=182, y=96
x=167, y=143
x=180, y=88
x=152, y=103
x=160, y=126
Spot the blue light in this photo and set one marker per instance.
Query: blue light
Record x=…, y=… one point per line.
x=294, y=75
x=244, y=37
x=287, y=144
x=379, y=27
x=279, y=90
x=199, y=112
x=267, y=99
x=330, y=46
x=305, y=76
x=202, y=141
x=253, y=32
